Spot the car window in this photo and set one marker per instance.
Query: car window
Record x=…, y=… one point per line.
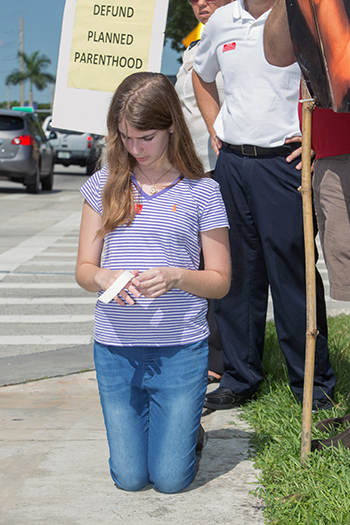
x=34, y=129
x=38, y=129
x=9, y=123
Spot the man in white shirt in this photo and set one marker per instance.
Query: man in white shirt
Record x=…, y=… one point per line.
x=256, y=135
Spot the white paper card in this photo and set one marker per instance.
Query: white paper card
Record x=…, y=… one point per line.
x=116, y=287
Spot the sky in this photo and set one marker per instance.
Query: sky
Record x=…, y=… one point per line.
x=42, y=21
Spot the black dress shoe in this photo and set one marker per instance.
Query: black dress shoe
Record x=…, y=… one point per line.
x=321, y=404
x=223, y=398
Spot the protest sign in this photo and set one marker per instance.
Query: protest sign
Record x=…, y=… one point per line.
x=320, y=31
x=101, y=44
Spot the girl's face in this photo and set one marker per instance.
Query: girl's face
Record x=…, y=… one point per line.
x=149, y=148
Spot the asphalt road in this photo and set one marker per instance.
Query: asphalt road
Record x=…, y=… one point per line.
x=46, y=319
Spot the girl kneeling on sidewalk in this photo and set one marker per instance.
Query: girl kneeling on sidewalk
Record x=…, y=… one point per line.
x=150, y=211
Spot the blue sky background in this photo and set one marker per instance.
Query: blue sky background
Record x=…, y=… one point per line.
x=42, y=20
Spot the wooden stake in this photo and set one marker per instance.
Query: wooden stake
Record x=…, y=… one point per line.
x=311, y=326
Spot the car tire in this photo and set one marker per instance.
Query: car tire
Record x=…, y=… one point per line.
x=47, y=181
x=33, y=187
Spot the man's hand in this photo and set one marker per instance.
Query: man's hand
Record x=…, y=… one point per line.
x=216, y=143
x=297, y=153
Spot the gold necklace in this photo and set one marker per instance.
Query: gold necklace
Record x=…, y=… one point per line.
x=154, y=189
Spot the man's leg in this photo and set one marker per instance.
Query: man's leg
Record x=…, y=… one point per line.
x=241, y=314
x=276, y=206
x=331, y=184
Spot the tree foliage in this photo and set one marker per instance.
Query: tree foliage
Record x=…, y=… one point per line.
x=34, y=66
x=180, y=22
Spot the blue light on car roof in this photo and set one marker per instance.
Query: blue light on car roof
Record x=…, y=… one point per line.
x=26, y=109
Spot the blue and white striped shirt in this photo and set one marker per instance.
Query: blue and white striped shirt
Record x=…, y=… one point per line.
x=164, y=233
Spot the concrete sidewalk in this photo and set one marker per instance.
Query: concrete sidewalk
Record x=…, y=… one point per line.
x=54, y=465
x=54, y=453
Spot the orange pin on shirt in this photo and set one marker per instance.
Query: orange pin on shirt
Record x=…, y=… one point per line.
x=174, y=207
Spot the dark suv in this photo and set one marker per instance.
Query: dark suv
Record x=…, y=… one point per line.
x=26, y=156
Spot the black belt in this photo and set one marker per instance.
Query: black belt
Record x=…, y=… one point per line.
x=255, y=151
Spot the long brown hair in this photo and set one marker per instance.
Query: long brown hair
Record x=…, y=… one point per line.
x=147, y=101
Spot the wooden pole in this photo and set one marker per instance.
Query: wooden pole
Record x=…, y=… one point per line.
x=311, y=326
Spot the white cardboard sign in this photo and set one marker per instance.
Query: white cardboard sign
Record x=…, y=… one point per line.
x=101, y=44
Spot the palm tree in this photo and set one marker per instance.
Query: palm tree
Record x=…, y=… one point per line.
x=34, y=65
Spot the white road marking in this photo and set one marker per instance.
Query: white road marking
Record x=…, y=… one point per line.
x=59, y=254
x=65, y=244
x=69, y=340
x=44, y=319
x=35, y=245
x=38, y=286
x=48, y=263
x=47, y=300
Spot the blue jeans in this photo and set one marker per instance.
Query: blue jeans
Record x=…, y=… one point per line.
x=152, y=399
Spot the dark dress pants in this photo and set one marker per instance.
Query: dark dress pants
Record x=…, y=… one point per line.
x=267, y=248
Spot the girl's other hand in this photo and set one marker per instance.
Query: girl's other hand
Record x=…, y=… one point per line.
x=157, y=281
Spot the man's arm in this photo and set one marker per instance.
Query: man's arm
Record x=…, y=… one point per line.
x=277, y=41
x=208, y=102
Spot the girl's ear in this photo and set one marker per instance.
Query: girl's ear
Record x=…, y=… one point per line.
x=171, y=129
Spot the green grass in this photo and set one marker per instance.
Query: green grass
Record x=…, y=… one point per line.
x=318, y=491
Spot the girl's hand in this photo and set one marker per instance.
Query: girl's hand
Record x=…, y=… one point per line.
x=157, y=281
x=105, y=278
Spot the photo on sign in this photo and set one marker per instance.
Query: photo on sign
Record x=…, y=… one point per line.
x=320, y=32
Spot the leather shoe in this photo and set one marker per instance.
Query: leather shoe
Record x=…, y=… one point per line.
x=321, y=404
x=223, y=398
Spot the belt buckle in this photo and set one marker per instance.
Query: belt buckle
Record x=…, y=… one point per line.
x=249, y=150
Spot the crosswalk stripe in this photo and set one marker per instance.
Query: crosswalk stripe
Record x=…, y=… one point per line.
x=38, y=286
x=58, y=254
x=35, y=245
x=31, y=274
x=65, y=244
x=47, y=300
x=44, y=319
x=14, y=197
x=69, y=340
x=49, y=263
